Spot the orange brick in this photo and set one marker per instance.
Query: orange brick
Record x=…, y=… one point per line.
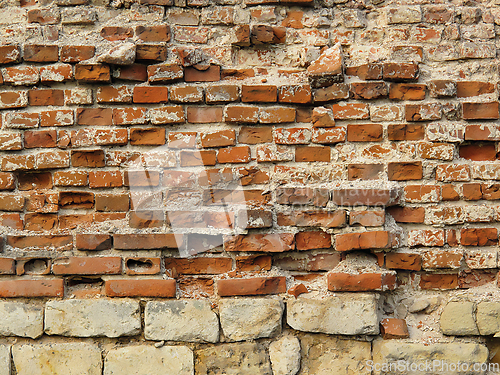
x=140, y=288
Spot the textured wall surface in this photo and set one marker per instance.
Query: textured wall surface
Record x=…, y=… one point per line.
x=248, y=186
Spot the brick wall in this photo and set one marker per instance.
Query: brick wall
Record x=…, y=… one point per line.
x=247, y=186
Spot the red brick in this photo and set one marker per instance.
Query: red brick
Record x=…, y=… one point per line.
x=276, y=115
x=478, y=236
x=423, y=112
x=296, y=94
x=93, y=242
x=439, y=281
x=182, y=139
x=115, y=33
x=198, y=266
x=13, y=99
x=251, y=286
x=151, y=53
x=328, y=136
x=405, y=171
x=452, y=172
x=312, y=240
x=105, y=179
x=87, y=266
x=442, y=88
x=148, y=94
x=403, y=261
x=112, y=202
x=40, y=222
x=32, y=288
x=173, y=114
x=260, y=242
x=369, y=90
x=147, y=136
x=474, y=278
x=186, y=94
x=197, y=158
x=241, y=114
x=204, y=115
x=407, y=214
x=259, y=93
x=76, y=199
x=219, y=138
x=474, y=88
x=57, y=118
x=366, y=240
x=142, y=265
x=480, y=111
x=147, y=241
x=364, y=133
x=472, y=192
x=7, y=266
x=56, y=73
x=336, y=91
x=11, y=142
x=92, y=73
x=407, y=91
x=312, y=154
x=365, y=197
x=74, y=54
x=365, y=171
x=264, y=34
x=41, y=53
x=426, y=237
x=110, y=94
x=133, y=72
x=297, y=290
x=129, y=116
x=367, y=218
x=32, y=181
x=240, y=154
x=346, y=282
x=406, y=132
x=49, y=242
x=94, y=116
x=365, y=71
x=46, y=97
x=400, y=71
x=350, y=111
x=160, y=33
x=22, y=75
x=221, y=94
x=140, y=288
x=88, y=158
x=10, y=54
x=165, y=73
x=212, y=74
x=292, y=136
x=253, y=263
x=391, y=328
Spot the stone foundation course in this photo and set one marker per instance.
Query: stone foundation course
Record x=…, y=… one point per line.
x=282, y=187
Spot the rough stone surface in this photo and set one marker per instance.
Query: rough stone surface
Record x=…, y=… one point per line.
x=458, y=318
x=346, y=314
x=285, y=355
x=233, y=359
x=146, y=360
x=21, y=319
x=250, y=318
x=325, y=355
x=87, y=318
x=488, y=318
x=5, y=362
x=192, y=321
x=57, y=359
x=393, y=351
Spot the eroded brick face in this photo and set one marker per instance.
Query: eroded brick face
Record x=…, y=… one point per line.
x=171, y=170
